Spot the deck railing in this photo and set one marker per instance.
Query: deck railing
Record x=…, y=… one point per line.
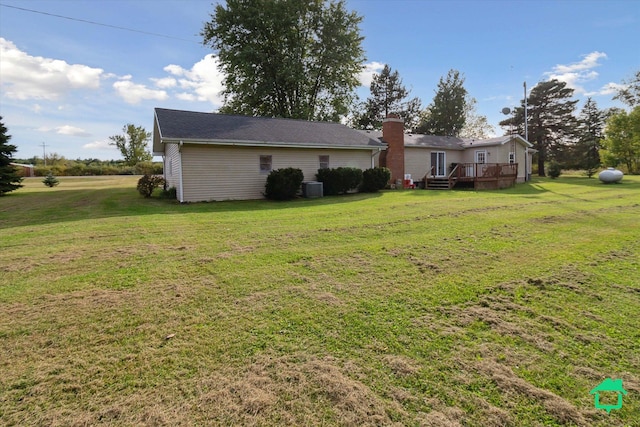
x=483, y=175
x=473, y=171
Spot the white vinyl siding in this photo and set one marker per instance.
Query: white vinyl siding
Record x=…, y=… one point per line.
x=172, y=167
x=233, y=173
x=417, y=160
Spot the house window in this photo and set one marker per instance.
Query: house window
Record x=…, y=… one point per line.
x=481, y=156
x=265, y=164
x=324, y=162
x=512, y=157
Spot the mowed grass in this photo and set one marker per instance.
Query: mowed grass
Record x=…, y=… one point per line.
x=400, y=308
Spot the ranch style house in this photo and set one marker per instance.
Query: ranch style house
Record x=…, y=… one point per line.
x=211, y=157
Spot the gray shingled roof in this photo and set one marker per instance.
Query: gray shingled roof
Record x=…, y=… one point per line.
x=428, y=141
x=448, y=142
x=189, y=126
x=433, y=141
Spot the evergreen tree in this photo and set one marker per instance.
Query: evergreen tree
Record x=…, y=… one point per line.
x=287, y=58
x=50, y=180
x=9, y=178
x=590, y=132
x=446, y=114
x=388, y=95
x=550, y=117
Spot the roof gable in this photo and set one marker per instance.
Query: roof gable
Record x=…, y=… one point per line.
x=213, y=128
x=498, y=140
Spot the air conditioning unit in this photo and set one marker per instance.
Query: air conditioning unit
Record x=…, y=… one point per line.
x=312, y=189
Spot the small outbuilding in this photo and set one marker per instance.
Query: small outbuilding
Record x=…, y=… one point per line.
x=24, y=170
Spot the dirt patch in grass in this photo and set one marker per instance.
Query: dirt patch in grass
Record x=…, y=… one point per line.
x=401, y=366
x=509, y=383
x=294, y=390
x=451, y=417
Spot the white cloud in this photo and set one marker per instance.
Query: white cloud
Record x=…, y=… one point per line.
x=366, y=75
x=608, y=89
x=184, y=96
x=165, y=83
x=98, y=145
x=71, y=130
x=588, y=62
x=23, y=76
x=64, y=130
x=133, y=93
x=203, y=82
x=574, y=75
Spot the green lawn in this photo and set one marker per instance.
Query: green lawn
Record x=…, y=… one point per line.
x=400, y=308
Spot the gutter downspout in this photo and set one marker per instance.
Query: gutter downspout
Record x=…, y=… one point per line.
x=375, y=153
x=526, y=164
x=180, y=178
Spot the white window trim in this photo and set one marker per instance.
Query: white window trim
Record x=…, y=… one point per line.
x=320, y=162
x=261, y=163
x=484, y=156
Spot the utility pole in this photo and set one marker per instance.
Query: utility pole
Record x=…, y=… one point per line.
x=526, y=121
x=44, y=153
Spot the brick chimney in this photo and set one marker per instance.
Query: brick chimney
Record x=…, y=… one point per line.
x=393, y=157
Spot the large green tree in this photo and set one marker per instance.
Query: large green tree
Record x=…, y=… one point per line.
x=446, y=114
x=622, y=140
x=9, y=178
x=287, y=58
x=133, y=144
x=552, y=124
x=388, y=95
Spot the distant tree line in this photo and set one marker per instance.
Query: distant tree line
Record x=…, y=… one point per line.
x=132, y=144
x=60, y=166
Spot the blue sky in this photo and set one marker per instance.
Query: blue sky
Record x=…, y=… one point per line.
x=71, y=84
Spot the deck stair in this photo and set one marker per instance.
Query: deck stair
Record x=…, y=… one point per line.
x=440, y=183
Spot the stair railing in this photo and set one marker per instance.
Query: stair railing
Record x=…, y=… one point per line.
x=453, y=175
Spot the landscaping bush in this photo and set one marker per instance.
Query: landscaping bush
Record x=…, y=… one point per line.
x=283, y=184
x=375, y=179
x=148, y=183
x=170, y=193
x=339, y=180
x=351, y=178
x=554, y=169
x=330, y=181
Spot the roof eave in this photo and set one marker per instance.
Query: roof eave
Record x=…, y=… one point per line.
x=240, y=143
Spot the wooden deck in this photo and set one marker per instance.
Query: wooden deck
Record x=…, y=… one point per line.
x=484, y=176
